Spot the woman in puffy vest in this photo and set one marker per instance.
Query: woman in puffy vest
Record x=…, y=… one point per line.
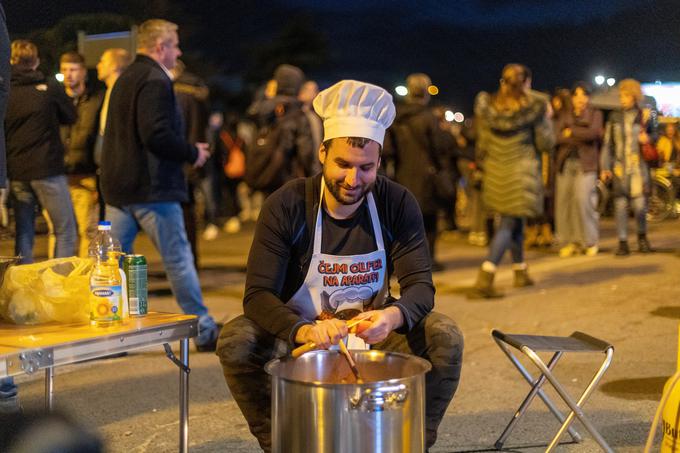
x=513, y=129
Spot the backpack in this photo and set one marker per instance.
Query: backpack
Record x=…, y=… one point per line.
x=267, y=161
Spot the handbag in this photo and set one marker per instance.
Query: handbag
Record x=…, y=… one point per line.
x=235, y=165
x=649, y=153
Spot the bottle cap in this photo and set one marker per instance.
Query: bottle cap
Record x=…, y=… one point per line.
x=104, y=225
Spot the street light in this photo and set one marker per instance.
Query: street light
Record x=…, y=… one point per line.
x=401, y=90
x=59, y=77
x=433, y=90
x=611, y=81
x=599, y=79
x=458, y=117
x=448, y=116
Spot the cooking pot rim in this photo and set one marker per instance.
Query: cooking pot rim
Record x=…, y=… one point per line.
x=426, y=365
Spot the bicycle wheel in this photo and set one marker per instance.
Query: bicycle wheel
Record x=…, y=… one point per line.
x=661, y=200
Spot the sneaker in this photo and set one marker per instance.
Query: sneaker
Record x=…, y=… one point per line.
x=210, y=232
x=592, y=250
x=232, y=226
x=568, y=250
x=623, y=249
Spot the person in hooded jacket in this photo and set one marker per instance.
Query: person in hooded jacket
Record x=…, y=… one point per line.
x=513, y=129
x=417, y=146
x=35, y=153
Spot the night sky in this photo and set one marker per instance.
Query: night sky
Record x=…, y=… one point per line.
x=461, y=44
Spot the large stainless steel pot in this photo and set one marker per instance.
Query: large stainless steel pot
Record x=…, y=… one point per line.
x=315, y=411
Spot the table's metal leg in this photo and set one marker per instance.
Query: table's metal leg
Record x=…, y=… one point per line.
x=49, y=389
x=184, y=396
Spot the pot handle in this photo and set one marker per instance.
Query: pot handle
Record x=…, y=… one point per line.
x=380, y=398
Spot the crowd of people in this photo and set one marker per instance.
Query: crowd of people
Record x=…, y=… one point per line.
x=525, y=167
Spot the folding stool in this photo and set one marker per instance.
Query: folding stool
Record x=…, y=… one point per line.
x=530, y=345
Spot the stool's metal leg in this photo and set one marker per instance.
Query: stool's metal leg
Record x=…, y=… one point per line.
x=536, y=389
x=49, y=389
x=527, y=401
x=184, y=396
x=575, y=406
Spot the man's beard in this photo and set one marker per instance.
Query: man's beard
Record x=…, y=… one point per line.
x=335, y=189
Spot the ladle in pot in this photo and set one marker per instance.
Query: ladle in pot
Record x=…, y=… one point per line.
x=350, y=361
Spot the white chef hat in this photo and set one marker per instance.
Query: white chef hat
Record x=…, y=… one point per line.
x=355, y=109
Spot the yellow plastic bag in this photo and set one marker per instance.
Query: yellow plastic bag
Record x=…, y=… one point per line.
x=54, y=290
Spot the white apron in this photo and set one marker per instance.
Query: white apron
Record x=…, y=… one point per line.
x=335, y=283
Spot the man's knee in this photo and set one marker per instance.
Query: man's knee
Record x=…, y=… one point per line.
x=444, y=338
x=243, y=346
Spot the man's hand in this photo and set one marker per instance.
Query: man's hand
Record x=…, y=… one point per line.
x=383, y=322
x=203, y=154
x=323, y=333
x=643, y=138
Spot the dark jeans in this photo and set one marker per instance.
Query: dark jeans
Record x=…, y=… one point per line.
x=244, y=348
x=510, y=235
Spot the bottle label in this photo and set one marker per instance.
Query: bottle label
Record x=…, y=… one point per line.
x=105, y=303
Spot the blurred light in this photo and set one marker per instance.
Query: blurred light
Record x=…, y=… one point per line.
x=599, y=79
x=401, y=90
x=458, y=117
x=433, y=90
x=59, y=77
x=448, y=116
x=657, y=82
x=611, y=81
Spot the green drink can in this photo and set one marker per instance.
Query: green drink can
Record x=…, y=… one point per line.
x=135, y=270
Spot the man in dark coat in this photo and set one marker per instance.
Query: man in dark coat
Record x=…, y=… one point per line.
x=141, y=173
x=416, y=144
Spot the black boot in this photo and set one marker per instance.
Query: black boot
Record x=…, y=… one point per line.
x=484, y=286
x=522, y=278
x=643, y=244
x=623, y=249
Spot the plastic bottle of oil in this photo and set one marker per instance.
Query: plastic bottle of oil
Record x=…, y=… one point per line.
x=106, y=292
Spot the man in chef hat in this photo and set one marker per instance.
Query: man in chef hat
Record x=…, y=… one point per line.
x=339, y=236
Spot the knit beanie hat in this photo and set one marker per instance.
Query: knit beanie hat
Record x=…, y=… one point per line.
x=289, y=79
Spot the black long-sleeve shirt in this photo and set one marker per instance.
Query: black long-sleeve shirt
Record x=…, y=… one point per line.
x=281, y=252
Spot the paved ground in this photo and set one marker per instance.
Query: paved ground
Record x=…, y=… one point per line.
x=631, y=302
